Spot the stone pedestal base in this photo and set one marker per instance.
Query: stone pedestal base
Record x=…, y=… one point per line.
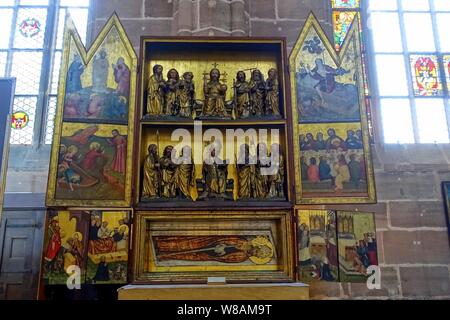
x=285, y=291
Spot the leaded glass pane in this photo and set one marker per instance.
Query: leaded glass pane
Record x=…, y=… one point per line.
x=391, y=75
x=443, y=22
x=342, y=21
x=30, y=28
x=23, y=120
x=425, y=75
x=383, y=23
x=415, y=5
x=80, y=19
x=419, y=32
x=55, y=74
x=431, y=121
x=34, y=2
x=382, y=4
x=3, y=57
x=5, y=27
x=60, y=29
x=78, y=3
x=5, y=3
x=51, y=112
x=345, y=4
x=27, y=69
x=397, y=121
x=442, y=5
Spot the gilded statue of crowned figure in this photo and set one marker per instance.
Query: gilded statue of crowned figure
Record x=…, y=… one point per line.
x=175, y=97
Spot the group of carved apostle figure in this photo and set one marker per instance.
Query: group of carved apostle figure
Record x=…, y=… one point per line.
x=175, y=97
x=260, y=176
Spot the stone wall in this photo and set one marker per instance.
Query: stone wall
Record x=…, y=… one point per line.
x=413, y=243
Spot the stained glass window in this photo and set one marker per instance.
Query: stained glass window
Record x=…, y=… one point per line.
x=426, y=77
x=345, y=4
x=446, y=61
x=412, y=33
x=342, y=21
x=30, y=28
x=28, y=55
x=26, y=105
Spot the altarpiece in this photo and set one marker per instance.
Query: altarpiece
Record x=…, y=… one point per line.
x=187, y=165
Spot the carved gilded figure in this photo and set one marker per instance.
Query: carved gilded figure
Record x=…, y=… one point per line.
x=276, y=180
x=253, y=182
x=156, y=84
x=215, y=172
x=186, y=95
x=151, y=184
x=273, y=95
x=246, y=168
x=261, y=178
x=214, y=96
x=257, y=92
x=184, y=176
x=171, y=90
x=167, y=174
x=242, y=95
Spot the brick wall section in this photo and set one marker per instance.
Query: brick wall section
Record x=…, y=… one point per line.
x=413, y=244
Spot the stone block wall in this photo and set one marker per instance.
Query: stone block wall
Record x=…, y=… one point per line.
x=414, y=250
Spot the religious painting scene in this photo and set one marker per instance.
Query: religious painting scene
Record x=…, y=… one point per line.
x=317, y=246
x=99, y=90
x=192, y=246
x=426, y=75
x=92, y=162
x=207, y=87
x=109, y=233
x=210, y=250
x=325, y=90
x=332, y=160
x=207, y=172
x=65, y=246
x=357, y=245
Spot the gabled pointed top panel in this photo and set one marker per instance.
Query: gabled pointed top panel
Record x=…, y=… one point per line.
x=94, y=126
x=330, y=119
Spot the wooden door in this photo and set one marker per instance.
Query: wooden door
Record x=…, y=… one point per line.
x=21, y=236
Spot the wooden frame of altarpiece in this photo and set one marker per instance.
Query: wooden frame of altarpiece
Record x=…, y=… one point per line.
x=88, y=130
